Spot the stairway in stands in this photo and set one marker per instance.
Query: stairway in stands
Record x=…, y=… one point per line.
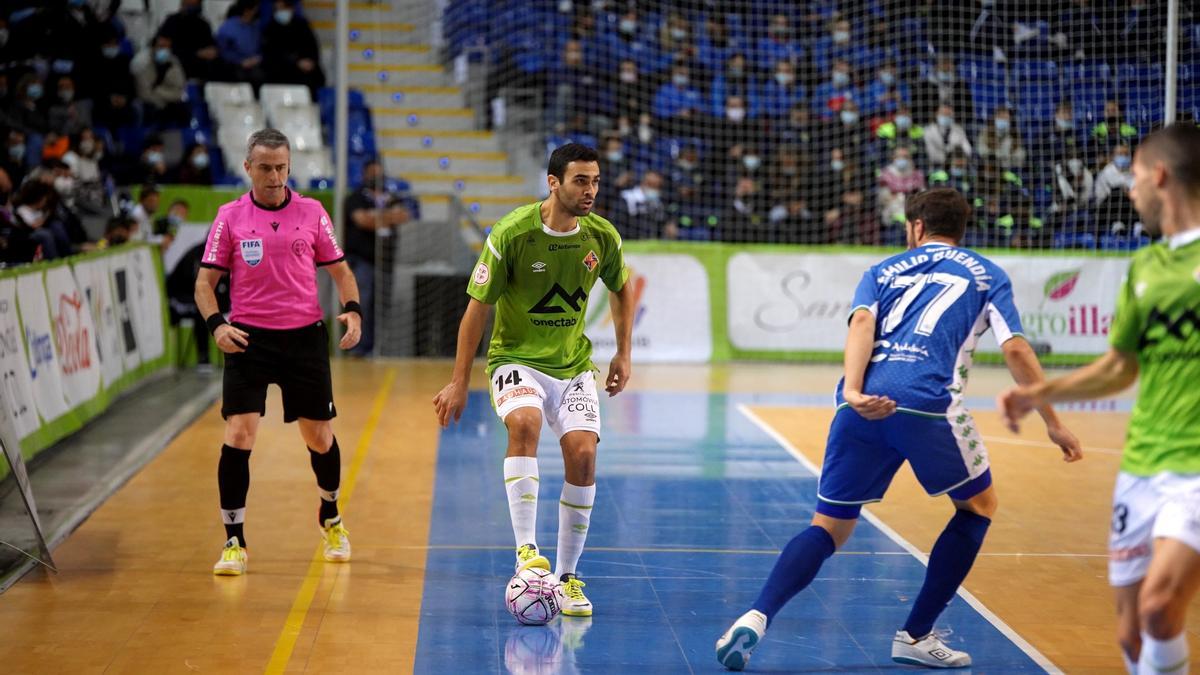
x=424, y=131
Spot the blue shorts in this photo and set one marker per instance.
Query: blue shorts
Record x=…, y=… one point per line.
x=861, y=457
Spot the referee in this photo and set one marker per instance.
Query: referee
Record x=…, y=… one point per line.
x=271, y=242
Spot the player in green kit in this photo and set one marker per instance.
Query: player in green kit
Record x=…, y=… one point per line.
x=1154, y=546
x=537, y=267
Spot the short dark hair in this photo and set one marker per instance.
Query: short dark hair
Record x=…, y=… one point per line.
x=1178, y=146
x=565, y=154
x=267, y=138
x=943, y=210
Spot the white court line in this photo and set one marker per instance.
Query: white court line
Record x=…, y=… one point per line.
x=974, y=602
x=1047, y=444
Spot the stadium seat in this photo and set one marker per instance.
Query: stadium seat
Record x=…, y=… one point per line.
x=1037, y=90
x=1141, y=92
x=220, y=94
x=310, y=164
x=989, y=87
x=1088, y=84
x=284, y=96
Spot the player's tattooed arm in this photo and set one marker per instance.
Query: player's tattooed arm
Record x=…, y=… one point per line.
x=860, y=342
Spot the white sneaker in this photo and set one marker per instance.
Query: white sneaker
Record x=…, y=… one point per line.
x=929, y=651
x=735, y=646
x=337, y=540
x=574, y=602
x=233, y=560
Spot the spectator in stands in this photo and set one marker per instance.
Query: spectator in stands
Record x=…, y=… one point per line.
x=372, y=216
x=675, y=35
x=747, y=213
x=689, y=216
x=576, y=88
x=32, y=208
x=153, y=162
x=1003, y=215
x=832, y=94
x=1072, y=192
x=69, y=115
x=1063, y=140
x=855, y=222
x=799, y=130
x=780, y=44
x=848, y=131
x=782, y=91
x=1113, y=129
x=1001, y=142
x=901, y=131
x=958, y=175
x=1134, y=30
x=1111, y=192
x=630, y=92
x=161, y=84
x=886, y=93
x=119, y=230
x=167, y=225
x=114, y=88
x=618, y=176
x=794, y=222
x=678, y=97
x=143, y=212
x=291, y=53
x=942, y=136
x=833, y=178
x=239, y=41
x=834, y=46
x=192, y=42
x=897, y=181
x=734, y=80
x=84, y=159
x=14, y=162
x=644, y=215
x=942, y=87
x=196, y=168
x=25, y=112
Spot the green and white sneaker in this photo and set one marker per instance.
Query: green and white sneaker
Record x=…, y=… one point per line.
x=233, y=560
x=574, y=602
x=528, y=557
x=735, y=646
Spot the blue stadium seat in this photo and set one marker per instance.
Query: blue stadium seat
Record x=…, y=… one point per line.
x=1037, y=90
x=988, y=83
x=1088, y=84
x=1141, y=92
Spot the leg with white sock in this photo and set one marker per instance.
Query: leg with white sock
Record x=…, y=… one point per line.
x=574, y=516
x=1167, y=590
x=521, y=484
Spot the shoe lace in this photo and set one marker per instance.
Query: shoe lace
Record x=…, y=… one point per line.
x=573, y=589
x=336, y=534
x=231, y=553
x=525, y=552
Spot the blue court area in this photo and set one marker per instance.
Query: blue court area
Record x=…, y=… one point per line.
x=693, y=503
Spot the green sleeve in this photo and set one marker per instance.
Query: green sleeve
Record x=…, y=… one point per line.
x=490, y=277
x=1126, y=327
x=613, y=271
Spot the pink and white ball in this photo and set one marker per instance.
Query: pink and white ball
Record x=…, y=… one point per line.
x=532, y=597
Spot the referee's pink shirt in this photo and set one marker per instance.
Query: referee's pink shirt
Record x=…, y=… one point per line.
x=272, y=256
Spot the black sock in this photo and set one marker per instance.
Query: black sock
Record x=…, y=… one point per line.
x=328, y=468
x=233, y=482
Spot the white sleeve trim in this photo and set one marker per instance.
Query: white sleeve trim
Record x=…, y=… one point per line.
x=873, y=308
x=1000, y=327
x=492, y=248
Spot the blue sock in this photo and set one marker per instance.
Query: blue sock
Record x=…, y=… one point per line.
x=949, y=562
x=794, y=571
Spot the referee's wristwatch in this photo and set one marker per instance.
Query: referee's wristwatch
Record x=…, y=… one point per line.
x=352, y=306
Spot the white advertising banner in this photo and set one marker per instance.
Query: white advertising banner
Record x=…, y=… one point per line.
x=126, y=310
x=94, y=280
x=792, y=301
x=148, y=304
x=672, y=321
x=16, y=386
x=74, y=336
x=45, y=371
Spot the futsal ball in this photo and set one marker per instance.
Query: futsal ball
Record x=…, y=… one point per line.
x=532, y=597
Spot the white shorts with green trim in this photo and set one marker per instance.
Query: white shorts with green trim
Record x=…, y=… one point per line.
x=568, y=405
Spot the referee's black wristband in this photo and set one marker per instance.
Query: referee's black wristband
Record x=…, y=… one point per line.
x=215, y=321
x=353, y=306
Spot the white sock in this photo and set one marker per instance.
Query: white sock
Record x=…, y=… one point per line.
x=1164, y=657
x=574, y=514
x=521, y=484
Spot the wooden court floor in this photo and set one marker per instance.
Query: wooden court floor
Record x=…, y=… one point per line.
x=135, y=594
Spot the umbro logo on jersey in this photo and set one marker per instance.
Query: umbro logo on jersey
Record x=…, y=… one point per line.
x=539, y=266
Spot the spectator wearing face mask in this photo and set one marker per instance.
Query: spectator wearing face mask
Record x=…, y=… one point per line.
x=897, y=181
x=31, y=208
x=291, y=53
x=161, y=84
x=67, y=114
x=716, y=44
x=239, y=41
x=782, y=91
x=1113, y=129
x=780, y=44
x=1071, y=192
x=943, y=136
x=747, y=212
x=958, y=175
x=630, y=91
x=114, y=89
x=152, y=164
x=942, y=87
x=849, y=131
x=831, y=95
x=834, y=46
x=645, y=214
x=836, y=175
x=84, y=160
x=1063, y=139
x=734, y=80
x=617, y=168
x=678, y=97
x=25, y=112
x=196, y=168
x=1111, y=192
x=117, y=231
x=886, y=93
x=14, y=160
x=192, y=42
x=167, y=225
x=1000, y=142
x=900, y=131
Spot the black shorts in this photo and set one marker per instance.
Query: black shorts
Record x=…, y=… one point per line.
x=297, y=360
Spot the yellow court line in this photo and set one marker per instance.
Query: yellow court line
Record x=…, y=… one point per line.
x=286, y=642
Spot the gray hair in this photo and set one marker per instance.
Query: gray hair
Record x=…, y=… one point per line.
x=267, y=138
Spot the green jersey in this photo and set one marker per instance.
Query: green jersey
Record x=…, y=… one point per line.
x=1158, y=318
x=539, y=281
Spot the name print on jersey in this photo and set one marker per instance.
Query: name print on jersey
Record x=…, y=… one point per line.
x=977, y=270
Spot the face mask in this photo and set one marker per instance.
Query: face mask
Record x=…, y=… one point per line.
x=887, y=78
x=200, y=161
x=110, y=51
x=651, y=194
x=1122, y=161
x=155, y=157
x=945, y=76
x=17, y=151
x=86, y=146
x=628, y=76
x=784, y=79
x=283, y=16
x=837, y=164
x=736, y=71
x=29, y=214
x=944, y=121
x=841, y=37
x=687, y=164
x=1064, y=125
x=679, y=80
x=174, y=220
x=615, y=156
x=628, y=26
x=34, y=91
x=752, y=162
x=565, y=6
x=1075, y=165
x=678, y=33
x=66, y=95
x=902, y=164
x=162, y=55
x=64, y=185
x=644, y=134
x=849, y=117
x=840, y=79
x=957, y=171
x=779, y=31
x=1001, y=125
x=736, y=114
x=903, y=121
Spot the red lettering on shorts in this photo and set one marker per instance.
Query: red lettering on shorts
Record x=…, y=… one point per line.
x=518, y=391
